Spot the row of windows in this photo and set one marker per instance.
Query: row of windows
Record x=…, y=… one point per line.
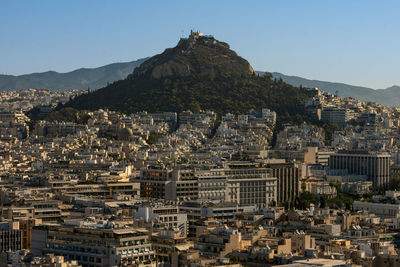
x=169, y=218
x=212, y=189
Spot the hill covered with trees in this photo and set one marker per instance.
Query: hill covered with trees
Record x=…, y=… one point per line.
x=199, y=73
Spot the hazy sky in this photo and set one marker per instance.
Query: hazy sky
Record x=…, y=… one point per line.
x=356, y=42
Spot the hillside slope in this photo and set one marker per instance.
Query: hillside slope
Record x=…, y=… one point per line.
x=199, y=73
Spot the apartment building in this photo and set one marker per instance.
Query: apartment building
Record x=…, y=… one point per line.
x=334, y=115
x=10, y=236
x=93, y=246
x=212, y=184
x=163, y=217
x=250, y=186
x=244, y=186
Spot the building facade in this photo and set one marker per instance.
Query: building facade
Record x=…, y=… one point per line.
x=253, y=186
x=93, y=246
x=376, y=166
x=288, y=181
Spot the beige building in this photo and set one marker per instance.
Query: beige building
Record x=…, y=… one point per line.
x=218, y=242
x=94, y=246
x=244, y=186
x=300, y=242
x=380, y=209
x=250, y=186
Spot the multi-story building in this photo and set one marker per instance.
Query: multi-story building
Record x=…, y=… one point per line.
x=46, y=210
x=323, y=189
x=10, y=236
x=218, y=243
x=156, y=183
x=300, y=242
x=288, y=181
x=212, y=184
x=350, y=183
x=252, y=186
x=335, y=116
x=380, y=209
x=244, y=186
x=375, y=165
x=24, y=217
x=164, y=217
x=221, y=211
x=93, y=246
x=167, y=242
x=169, y=184
x=184, y=184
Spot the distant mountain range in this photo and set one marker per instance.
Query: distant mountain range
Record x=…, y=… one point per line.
x=95, y=78
x=389, y=96
x=81, y=79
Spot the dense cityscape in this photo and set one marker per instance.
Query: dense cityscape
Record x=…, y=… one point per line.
x=130, y=138
x=184, y=189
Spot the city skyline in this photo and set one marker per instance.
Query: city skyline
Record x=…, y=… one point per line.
x=329, y=41
x=191, y=157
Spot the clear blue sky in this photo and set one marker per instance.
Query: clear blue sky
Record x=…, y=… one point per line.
x=351, y=41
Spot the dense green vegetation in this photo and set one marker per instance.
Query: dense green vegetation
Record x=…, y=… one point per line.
x=342, y=200
x=66, y=114
x=305, y=199
x=329, y=129
x=221, y=93
x=153, y=138
x=395, y=183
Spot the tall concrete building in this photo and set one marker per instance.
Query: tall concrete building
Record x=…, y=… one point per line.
x=244, y=186
x=376, y=166
x=168, y=183
x=212, y=184
x=252, y=186
x=288, y=181
x=10, y=236
x=335, y=116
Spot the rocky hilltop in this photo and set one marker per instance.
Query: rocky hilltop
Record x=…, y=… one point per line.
x=198, y=54
x=200, y=72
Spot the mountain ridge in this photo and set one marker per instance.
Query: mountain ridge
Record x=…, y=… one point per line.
x=389, y=96
x=81, y=79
